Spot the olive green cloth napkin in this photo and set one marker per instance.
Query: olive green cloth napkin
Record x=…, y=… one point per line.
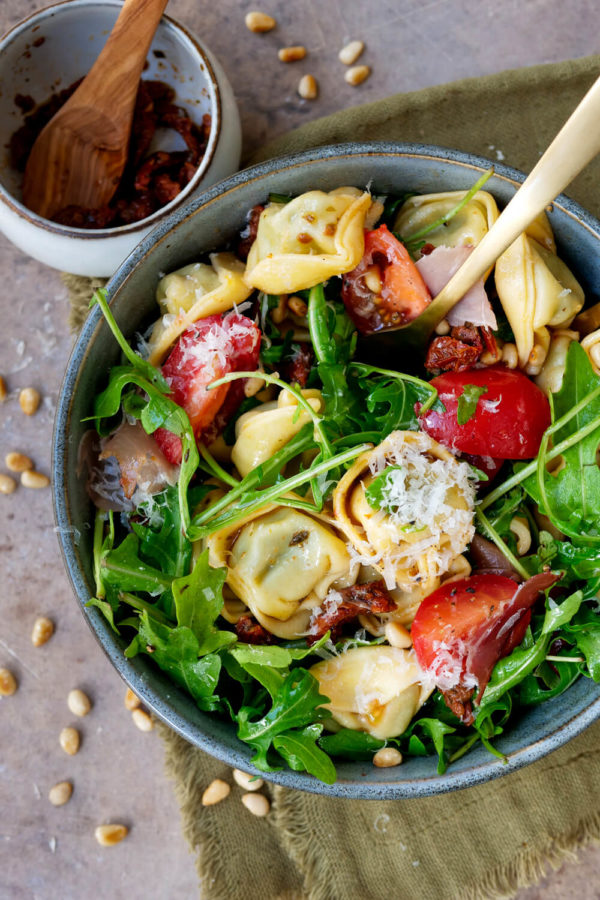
x=484, y=842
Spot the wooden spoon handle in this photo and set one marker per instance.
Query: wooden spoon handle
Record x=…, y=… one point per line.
x=574, y=146
x=114, y=77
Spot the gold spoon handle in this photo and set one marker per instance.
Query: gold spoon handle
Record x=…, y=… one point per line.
x=574, y=146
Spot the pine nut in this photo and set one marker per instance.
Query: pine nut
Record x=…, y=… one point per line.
x=29, y=400
x=278, y=313
x=291, y=54
x=32, y=479
x=372, y=279
x=510, y=357
x=536, y=360
x=257, y=804
x=60, y=793
x=253, y=386
x=215, y=792
x=69, y=740
x=79, y=703
x=308, y=88
x=387, y=757
x=356, y=75
x=350, y=53
x=520, y=528
x=142, y=720
x=7, y=484
x=246, y=781
x=397, y=635
x=8, y=683
x=259, y=22
x=109, y=835
x=374, y=213
x=443, y=327
x=17, y=462
x=43, y=629
x=297, y=306
x=3, y=390
x=132, y=701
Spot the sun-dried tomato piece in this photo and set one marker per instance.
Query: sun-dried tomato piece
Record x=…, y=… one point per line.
x=372, y=597
x=248, y=235
x=249, y=631
x=297, y=369
x=447, y=354
x=459, y=701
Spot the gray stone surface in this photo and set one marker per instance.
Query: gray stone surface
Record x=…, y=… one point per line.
x=49, y=853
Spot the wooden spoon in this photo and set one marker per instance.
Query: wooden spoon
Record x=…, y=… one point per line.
x=574, y=146
x=79, y=157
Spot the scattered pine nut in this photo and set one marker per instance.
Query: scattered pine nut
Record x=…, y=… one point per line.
x=308, y=88
x=257, y=804
x=387, y=757
x=8, y=683
x=510, y=357
x=397, y=635
x=442, y=327
x=79, y=703
x=132, y=701
x=356, y=75
x=253, y=386
x=298, y=306
x=246, y=781
x=278, y=312
x=60, y=793
x=109, y=835
x=17, y=462
x=32, y=479
x=291, y=54
x=29, y=400
x=43, y=629
x=69, y=740
x=372, y=279
x=142, y=720
x=7, y=484
x=215, y=792
x=350, y=53
x=259, y=22
x=3, y=390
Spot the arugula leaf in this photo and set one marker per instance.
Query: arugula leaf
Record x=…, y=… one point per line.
x=570, y=496
x=269, y=665
x=467, y=402
x=436, y=731
x=198, y=602
x=167, y=546
x=123, y=568
x=584, y=630
x=351, y=744
x=561, y=614
x=547, y=681
x=107, y=609
x=176, y=651
x=297, y=704
x=379, y=489
x=301, y=753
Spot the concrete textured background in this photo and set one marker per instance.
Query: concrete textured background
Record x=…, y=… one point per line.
x=49, y=853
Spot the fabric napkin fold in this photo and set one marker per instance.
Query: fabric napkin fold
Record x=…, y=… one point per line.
x=479, y=843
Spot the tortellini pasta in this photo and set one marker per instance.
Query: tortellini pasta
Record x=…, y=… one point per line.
x=308, y=240
x=425, y=519
x=281, y=563
x=591, y=345
x=374, y=689
x=195, y=292
x=263, y=431
x=465, y=229
x=537, y=291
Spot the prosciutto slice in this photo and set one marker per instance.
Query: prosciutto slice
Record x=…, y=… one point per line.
x=438, y=267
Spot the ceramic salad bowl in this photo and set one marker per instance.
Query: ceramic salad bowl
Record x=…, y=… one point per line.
x=208, y=222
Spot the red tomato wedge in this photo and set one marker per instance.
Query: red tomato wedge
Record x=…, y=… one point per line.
x=208, y=350
x=404, y=294
x=509, y=418
x=463, y=629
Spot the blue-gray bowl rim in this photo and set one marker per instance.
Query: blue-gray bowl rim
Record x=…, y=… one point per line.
x=355, y=788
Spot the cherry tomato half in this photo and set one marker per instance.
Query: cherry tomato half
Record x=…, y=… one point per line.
x=463, y=628
x=403, y=295
x=208, y=350
x=508, y=421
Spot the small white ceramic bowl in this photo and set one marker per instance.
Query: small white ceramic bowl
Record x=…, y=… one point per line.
x=48, y=52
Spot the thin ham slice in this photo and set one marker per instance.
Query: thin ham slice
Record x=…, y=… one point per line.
x=142, y=463
x=438, y=267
